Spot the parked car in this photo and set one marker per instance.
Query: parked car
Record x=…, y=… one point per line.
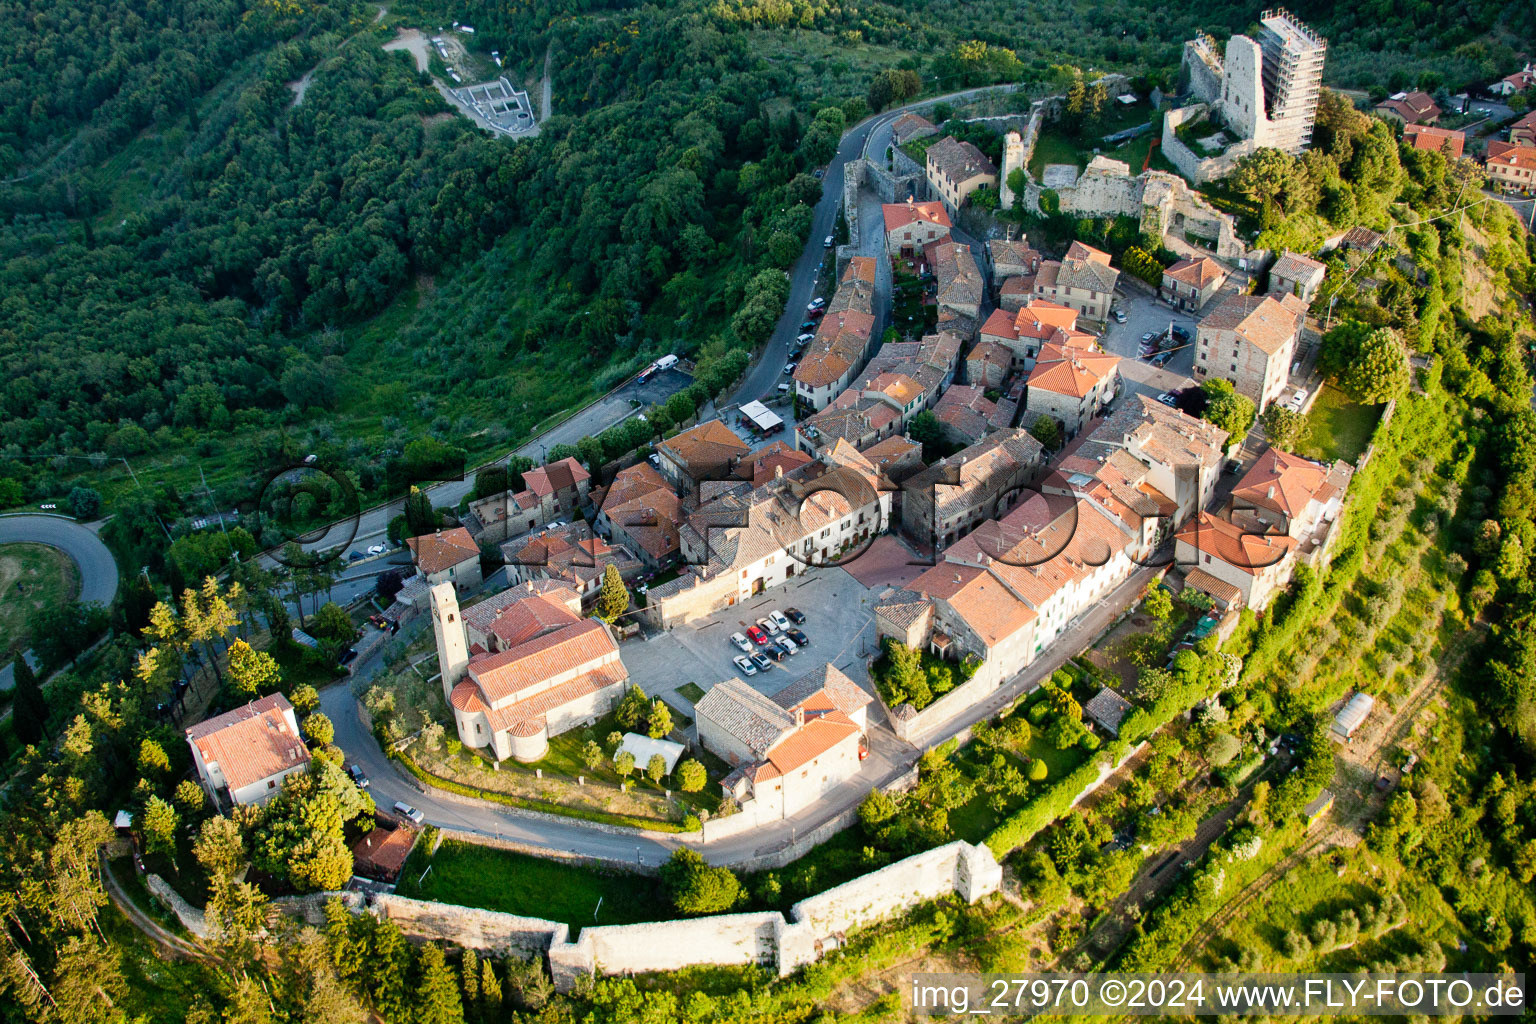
x=376, y=549
x=768, y=626
x=795, y=615
x=1161, y=359
x=798, y=636
x=789, y=368
x=806, y=339
x=816, y=312
x=357, y=776
x=789, y=646
x=785, y=388
x=349, y=656
x=778, y=619
x=742, y=643
x=827, y=242
x=1181, y=333
x=405, y=810
x=1413, y=759
x=1149, y=338
x=809, y=325
x=818, y=303
x=1297, y=400
x=762, y=661
x=744, y=665
x=758, y=636
x=1118, y=315
x=354, y=556
x=772, y=653
x=1167, y=399
x=654, y=460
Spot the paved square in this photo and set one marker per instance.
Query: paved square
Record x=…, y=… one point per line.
x=886, y=563
x=839, y=621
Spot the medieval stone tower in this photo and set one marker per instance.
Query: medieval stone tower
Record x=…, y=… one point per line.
x=452, y=640
x=1013, y=156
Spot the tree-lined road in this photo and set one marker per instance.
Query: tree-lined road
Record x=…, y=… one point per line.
x=98, y=569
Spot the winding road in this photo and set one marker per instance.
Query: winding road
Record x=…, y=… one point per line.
x=98, y=570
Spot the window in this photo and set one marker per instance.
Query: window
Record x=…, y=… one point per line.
x=271, y=783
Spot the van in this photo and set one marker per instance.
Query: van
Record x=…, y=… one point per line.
x=666, y=362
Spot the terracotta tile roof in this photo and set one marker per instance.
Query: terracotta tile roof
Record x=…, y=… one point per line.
x=705, y=451
x=1000, y=324
x=1361, y=238
x=555, y=477
x=959, y=161
x=987, y=606
x=1081, y=251
x=1220, y=589
x=841, y=340
x=1023, y=284
x=444, y=549
x=632, y=482
x=1412, y=107
x=965, y=408
x=899, y=215
x=481, y=615
x=1199, y=273
x=804, y=745
x=1083, y=268
x=527, y=717
x=1039, y=318
x=527, y=619
x=861, y=268
x=1071, y=369
x=1506, y=154
x=381, y=854
x=905, y=125
x=1108, y=709
x=250, y=743
x=823, y=689
x=502, y=675
x=1293, y=266
x=980, y=469
x=1258, y=319
x=1424, y=136
x=1233, y=545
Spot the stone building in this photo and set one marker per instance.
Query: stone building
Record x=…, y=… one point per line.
x=911, y=126
x=1511, y=168
x=574, y=556
x=788, y=750
x=903, y=379
x=957, y=278
x=1071, y=383
x=988, y=364
x=1298, y=275
x=708, y=451
x=1012, y=260
x=964, y=414
x=1083, y=279
x=560, y=487
x=1035, y=324
x=1190, y=284
x=447, y=556
x=1251, y=341
x=547, y=669
x=843, y=339
x=946, y=500
x=1521, y=133
x=642, y=512
x=910, y=226
x=1298, y=497
x=243, y=756
x=956, y=169
x=1234, y=567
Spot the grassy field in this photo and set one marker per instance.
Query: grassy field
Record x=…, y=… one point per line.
x=515, y=883
x=32, y=576
x=1338, y=428
x=692, y=692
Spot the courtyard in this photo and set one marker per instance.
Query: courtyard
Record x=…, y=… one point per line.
x=1144, y=314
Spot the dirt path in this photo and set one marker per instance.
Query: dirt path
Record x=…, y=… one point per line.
x=173, y=945
x=546, y=102
x=414, y=43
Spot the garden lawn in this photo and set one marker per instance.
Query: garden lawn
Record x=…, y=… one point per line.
x=691, y=692
x=32, y=577
x=1338, y=428
x=515, y=883
x=301, y=666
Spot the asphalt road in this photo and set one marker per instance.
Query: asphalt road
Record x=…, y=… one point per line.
x=98, y=570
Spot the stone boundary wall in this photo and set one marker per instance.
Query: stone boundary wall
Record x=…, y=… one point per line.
x=904, y=166
x=815, y=925
x=512, y=845
x=191, y=918
x=916, y=728
x=853, y=177
x=746, y=819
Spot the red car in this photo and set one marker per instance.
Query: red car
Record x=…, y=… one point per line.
x=758, y=636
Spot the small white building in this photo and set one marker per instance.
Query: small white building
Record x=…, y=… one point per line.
x=1352, y=716
x=246, y=753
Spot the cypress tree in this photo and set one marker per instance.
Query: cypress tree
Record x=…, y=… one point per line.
x=29, y=709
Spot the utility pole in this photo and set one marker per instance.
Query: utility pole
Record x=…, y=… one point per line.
x=209, y=495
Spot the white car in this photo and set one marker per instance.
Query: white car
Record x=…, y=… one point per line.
x=742, y=643
x=405, y=810
x=778, y=619
x=768, y=626
x=784, y=389
x=376, y=549
x=746, y=667
x=789, y=368
x=1297, y=400
x=806, y=339
x=818, y=303
x=787, y=645
x=827, y=242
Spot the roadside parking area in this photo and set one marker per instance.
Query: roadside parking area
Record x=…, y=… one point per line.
x=839, y=622
x=1145, y=314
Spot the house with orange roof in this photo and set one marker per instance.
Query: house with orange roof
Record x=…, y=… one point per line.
x=1294, y=496
x=1072, y=383
x=1511, y=168
x=842, y=340
x=641, y=512
x=911, y=226
x=548, y=670
x=1034, y=324
x=1082, y=279
x=1298, y=275
x=903, y=379
x=708, y=451
x=500, y=517
x=1190, y=284
x=573, y=555
x=1235, y=566
x=1251, y=340
x=1523, y=131
x=895, y=458
x=1510, y=84
x=1441, y=140
x=447, y=556
x=243, y=756
x=560, y=487
x=771, y=461
x=1013, y=260
x=1413, y=107
x=789, y=750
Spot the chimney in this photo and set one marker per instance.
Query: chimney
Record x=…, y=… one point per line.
x=799, y=716
x=1271, y=492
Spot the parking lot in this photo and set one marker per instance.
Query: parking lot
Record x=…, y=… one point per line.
x=839, y=622
x=1144, y=314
